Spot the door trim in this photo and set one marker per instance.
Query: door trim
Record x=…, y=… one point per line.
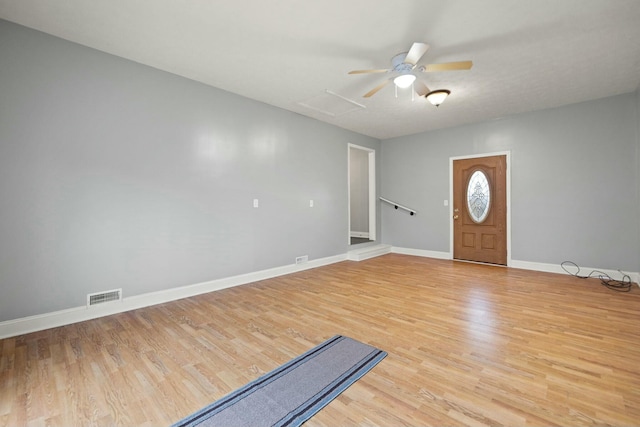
x=507, y=177
x=372, y=190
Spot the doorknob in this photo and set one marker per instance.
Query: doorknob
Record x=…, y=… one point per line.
x=455, y=217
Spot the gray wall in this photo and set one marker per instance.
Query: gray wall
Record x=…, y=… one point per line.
x=574, y=183
x=638, y=169
x=359, y=190
x=113, y=174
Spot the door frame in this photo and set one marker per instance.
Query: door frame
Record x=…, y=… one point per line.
x=372, y=190
x=507, y=178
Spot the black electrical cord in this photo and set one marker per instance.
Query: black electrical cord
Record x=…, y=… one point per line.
x=623, y=285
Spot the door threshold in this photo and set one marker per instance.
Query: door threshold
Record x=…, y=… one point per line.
x=479, y=262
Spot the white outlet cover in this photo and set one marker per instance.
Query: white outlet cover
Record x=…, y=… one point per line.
x=310, y=203
x=255, y=203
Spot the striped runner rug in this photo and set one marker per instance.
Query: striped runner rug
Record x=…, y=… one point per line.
x=294, y=392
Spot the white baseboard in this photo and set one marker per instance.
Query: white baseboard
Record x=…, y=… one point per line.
x=11, y=328
x=421, y=252
x=584, y=271
x=526, y=265
x=367, y=252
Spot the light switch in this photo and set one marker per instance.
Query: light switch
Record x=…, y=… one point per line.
x=255, y=203
x=310, y=203
x=446, y=203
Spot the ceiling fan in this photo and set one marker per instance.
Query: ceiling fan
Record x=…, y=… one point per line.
x=405, y=64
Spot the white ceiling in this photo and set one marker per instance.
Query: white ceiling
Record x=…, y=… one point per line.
x=527, y=55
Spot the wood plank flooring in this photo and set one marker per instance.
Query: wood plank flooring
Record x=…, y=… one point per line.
x=468, y=345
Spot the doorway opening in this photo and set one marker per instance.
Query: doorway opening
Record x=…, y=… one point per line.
x=362, y=194
x=480, y=221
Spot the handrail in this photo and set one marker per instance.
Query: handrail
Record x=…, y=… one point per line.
x=397, y=205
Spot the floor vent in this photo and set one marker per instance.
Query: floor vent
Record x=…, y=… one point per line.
x=102, y=297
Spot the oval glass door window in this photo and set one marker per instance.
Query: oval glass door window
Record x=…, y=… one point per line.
x=478, y=197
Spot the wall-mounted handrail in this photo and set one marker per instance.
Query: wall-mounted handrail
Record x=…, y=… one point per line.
x=398, y=205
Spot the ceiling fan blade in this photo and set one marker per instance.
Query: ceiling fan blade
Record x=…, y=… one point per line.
x=448, y=66
x=376, y=89
x=368, y=71
x=421, y=88
x=415, y=53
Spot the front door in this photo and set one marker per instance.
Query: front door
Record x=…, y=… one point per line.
x=480, y=209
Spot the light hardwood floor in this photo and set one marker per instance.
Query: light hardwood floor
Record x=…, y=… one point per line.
x=468, y=345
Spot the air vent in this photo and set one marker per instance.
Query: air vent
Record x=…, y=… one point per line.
x=302, y=259
x=103, y=297
x=332, y=104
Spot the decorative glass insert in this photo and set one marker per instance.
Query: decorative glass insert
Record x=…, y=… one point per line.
x=478, y=196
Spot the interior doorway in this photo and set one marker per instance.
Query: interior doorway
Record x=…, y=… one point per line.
x=362, y=194
x=480, y=209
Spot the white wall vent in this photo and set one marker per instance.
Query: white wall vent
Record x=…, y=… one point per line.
x=102, y=297
x=302, y=259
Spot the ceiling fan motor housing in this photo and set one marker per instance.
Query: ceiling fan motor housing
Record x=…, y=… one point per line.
x=399, y=65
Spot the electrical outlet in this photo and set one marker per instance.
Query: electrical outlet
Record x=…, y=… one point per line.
x=255, y=203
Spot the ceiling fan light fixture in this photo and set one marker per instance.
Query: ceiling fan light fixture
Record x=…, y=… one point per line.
x=437, y=97
x=404, y=81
